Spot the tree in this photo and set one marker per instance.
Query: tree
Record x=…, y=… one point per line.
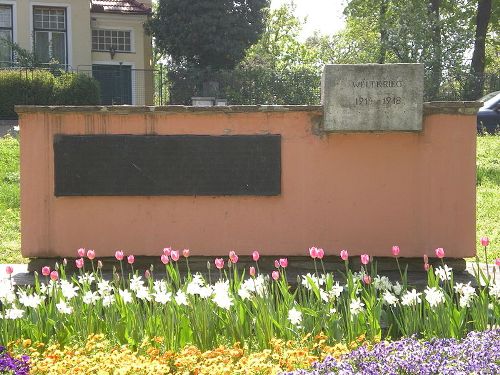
x=208, y=33
x=476, y=80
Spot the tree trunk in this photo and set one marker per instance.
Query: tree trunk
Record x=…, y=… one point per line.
x=436, y=62
x=383, y=31
x=476, y=80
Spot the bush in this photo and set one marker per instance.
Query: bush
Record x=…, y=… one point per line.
x=245, y=85
x=76, y=89
x=24, y=87
x=40, y=87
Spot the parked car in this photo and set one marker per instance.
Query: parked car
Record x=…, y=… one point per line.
x=488, y=116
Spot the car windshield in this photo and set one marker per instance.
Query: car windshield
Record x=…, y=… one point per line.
x=491, y=103
x=489, y=96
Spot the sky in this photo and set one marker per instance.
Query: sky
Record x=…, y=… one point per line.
x=322, y=15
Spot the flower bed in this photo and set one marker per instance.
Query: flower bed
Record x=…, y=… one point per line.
x=98, y=354
x=230, y=311
x=477, y=353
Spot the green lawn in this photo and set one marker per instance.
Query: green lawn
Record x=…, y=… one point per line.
x=488, y=196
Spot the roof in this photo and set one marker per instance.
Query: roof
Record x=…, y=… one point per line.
x=119, y=6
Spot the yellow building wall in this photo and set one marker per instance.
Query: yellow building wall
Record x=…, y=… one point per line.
x=140, y=58
x=78, y=26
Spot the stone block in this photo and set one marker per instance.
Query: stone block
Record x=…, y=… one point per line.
x=372, y=97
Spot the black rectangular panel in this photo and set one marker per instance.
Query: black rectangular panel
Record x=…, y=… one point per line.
x=167, y=165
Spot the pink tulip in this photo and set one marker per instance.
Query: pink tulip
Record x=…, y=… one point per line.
x=321, y=253
x=395, y=250
x=174, y=254
x=367, y=279
x=365, y=259
x=119, y=255
x=46, y=271
x=284, y=262
x=185, y=253
x=426, y=258
x=91, y=254
x=440, y=252
x=131, y=259
x=485, y=241
x=277, y=263
x=81, y=252
x=497, y=262
x=255, y=256
x=79, y=263
x=54, y=276
x=233, y=257
x=167, y=251
x=252, y=271
x=147, y=274
x=313, y=252
x=344, y=255
x=275, y=275
x=219, y=263
x=9, y=270
x=164, y=258
x=427, y=266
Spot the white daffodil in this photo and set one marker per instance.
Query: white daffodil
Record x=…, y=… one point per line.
x=125, y=295
x=30, y=300
x=356, y=306
x=13, y=313
x=221, y=295
x=434, y=296
x=382, y=283
x=90, y=298
x=397, y=288
x=390, y=298
x=295, y=316
x=162, y=297
x=411, y=298
x=68, y=290
x=181, y=298
x=63, y=307
x=443, y=273
x=136, y=282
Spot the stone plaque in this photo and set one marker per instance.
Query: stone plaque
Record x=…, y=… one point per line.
x=373, y=97
x=167, y=165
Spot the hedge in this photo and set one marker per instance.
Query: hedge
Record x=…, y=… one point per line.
x=40, y=87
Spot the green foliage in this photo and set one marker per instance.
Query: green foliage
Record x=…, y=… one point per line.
x=279, y=49
x=41, y=87
x=24, y=87
x=76, y=89
x=247, y=85
x=9, y=201
x=210, y=33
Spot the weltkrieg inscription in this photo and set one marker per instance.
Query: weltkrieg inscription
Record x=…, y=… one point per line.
x=386, y=98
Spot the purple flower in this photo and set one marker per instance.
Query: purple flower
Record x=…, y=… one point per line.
x=11, y=365
x=479, y=352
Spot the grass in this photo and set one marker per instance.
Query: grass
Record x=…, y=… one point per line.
x=488, y=197
x=10, y=236
x=488, y=192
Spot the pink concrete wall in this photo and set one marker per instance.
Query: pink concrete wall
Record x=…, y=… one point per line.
x=361, y=192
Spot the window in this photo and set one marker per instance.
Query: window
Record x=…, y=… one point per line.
x=104, y=40
x=50, y=34
x=5, y=35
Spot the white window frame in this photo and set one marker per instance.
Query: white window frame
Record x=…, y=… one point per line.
x=69, y=34
x=13, y=5
x=114, y=28
x=117, y=63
